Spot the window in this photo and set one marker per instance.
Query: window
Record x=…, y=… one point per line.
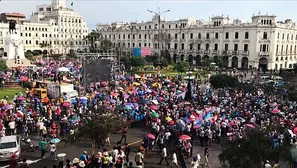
x=175, y=36
x=227, y=35
x=246, y=35
x=119, y=36
x=226, y=47
x=128, y=36
x=276, y=48
x=216, y=35
x=144, y=36
x=162, y=26
x=206, y=46
x=191, y=36
x=216, y=46
x=287, y=36
x=40, y=9
x=292, y=37
x=139, y=27
x=207, y=35
x=139, y=36
x=265, y=35
x=183, y=36
x=236, y=35
x=182, y=46
x=277, y=35
x=168, y=46
x=191, y=46
x=36, y=42
x=169, y=26
x=176, y=26
x=139, y=45
x=123, y=36
x=199, y=47
x=133, y=36
x=283, y=36
x=150, y=27
x=245, y=47
x=169, y=36
x=235, y=47
x=175, y=45
x=199, y=35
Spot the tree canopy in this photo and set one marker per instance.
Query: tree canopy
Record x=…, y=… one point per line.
x=181, y=66
x=252, y=150
x=222, y=81
x=103, y=123
x=137, y=61
x=3, y=66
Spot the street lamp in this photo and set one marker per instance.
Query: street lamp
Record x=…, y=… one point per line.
x=159, y=30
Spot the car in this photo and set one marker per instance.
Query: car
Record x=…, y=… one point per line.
x=9, y=145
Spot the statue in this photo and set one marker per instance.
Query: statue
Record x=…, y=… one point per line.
x=12, y=26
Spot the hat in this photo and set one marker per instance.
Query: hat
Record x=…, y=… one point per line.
x=81, y=164
x=85, y=152
x=75, y=160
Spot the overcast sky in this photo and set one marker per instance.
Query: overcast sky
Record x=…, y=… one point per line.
x=106, y=11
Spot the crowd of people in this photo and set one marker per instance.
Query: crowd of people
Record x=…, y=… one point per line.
x=152, y=100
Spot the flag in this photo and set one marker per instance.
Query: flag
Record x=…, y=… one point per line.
x=71, y=3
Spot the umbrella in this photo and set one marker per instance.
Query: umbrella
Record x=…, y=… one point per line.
x=250, y=125
x=20, y=114
x=63, y=69
x=275, y=111
x=150, y=136
x=66, y=104
x=181, y=122
x=21, y=98
x=155, y=102
x=185, y=137
x=55, y=140
x=295, y=130
x=5, y=107
x=83, y=98
x=171, y=122
x=155, y=115
x=168, y=119
x=153, y=107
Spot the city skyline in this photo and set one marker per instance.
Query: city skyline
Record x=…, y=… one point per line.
x=127, y=11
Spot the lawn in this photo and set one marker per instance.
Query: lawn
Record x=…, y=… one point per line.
x=10, y=92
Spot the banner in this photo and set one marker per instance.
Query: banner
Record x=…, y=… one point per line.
x=145, y=51
x=137, y=52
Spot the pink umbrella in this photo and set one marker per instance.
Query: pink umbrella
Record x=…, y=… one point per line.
x=275, y=111
x=250, y=125
x=21, y=98
x=150, y=136
x=154, y=107
x=66, y=104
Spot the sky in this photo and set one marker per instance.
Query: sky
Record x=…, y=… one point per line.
x=107, y=11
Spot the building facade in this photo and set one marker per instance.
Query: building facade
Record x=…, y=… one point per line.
x=61, y=28
x=262, y=43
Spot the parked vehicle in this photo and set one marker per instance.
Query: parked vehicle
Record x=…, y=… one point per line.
x=9, y=145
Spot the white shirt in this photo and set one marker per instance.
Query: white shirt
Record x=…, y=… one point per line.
x=164, y=152
x=267, y=165
x=167, y=135
x=139, y=157
x=11, y=125
x=53, y=148
x=174, y=158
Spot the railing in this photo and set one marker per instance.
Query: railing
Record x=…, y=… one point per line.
x=245, y=52
x=215, y=51
x=263, y=54
x=206, y=51
x=234, y=52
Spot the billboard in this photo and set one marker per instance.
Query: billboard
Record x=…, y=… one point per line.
x=144, y=51
x=97, y=70
x=137, y=52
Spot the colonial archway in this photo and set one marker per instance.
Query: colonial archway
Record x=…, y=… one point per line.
x=244, y=63
x=175, y=58
x=182, y=57
x=198, y=60
x=205, y=60
x=216, y=59
x=190, y=59
x=225, y=61
x=234, y=62
x=263, y=63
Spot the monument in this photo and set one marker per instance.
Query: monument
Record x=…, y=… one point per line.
x=14, y=55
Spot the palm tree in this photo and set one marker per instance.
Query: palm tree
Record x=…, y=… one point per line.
x=92, y=38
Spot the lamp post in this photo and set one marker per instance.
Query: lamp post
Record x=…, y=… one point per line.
x=159, y=30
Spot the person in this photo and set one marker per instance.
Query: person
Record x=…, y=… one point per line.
x=130, y=165
x=107, y=140
x=124, y=134
x=42, y=146
x=53, y=150
x=174, y=160
x=267, y=164
x=276, y=165
x=105, y=160
x=68, y=163
x=164, y=156
x=139, y=158
x=83, y=156
x=206, y=155
x=195, y=162
x=24, y=164
x=13, y=163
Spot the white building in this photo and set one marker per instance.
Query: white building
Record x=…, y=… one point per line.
x=60, y=27
x=263, y=42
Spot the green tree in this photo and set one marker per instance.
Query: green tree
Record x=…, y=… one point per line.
x=252, y=150
x=222, y=81
x=103, y=123
x=3, y=66
x=92, y=38
x=29, y=55
x=181, y=66
x=163, y=63
x=137, y=61
x=152, y=58
x=105, y=45
x=45, y=47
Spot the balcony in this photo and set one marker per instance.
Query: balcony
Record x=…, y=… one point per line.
x=226, y=52
x=263, y=54
x=245, y=53
x=200, y=51
x=234, y=52
x=206, y=51
x=215, y=51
